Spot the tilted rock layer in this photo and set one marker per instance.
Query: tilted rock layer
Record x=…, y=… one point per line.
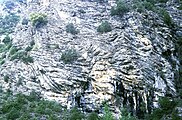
x=127, y=66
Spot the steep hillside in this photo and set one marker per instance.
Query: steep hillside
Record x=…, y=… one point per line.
x=85, y=53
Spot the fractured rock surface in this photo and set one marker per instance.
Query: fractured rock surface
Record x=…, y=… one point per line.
x=127, y=66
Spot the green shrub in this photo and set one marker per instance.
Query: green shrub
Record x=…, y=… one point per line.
x=8, y=46
x=2, y=62
x=6, y=39
x=148, y=6
x=151, y=1
x=75, y=114
x=125, y=115
x=38, y=19
x=120, y=9
x=166, y=18
x=33, y=96
x=18, y=107
x=163, y=1
x=28, y=48
x=142, y=6
x=175, y=115
x=166, y=108
x=6, y=78
x=8, y=23
x=139, y=7
x=104, y=27
x=18, y=55
x=32, y=43
x=107, y=114
x=27, y=59
x=69, y=56
x=70, y=28
x=13, y=114
x=2, y=48
x=166, y=104
x=21, y=55
x=93, y=116
x=180, y=7
x=13, y=50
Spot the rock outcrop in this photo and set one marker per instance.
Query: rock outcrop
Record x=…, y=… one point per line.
x=130, y=66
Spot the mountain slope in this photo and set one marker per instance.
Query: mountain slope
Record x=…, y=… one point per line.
x=132, y=65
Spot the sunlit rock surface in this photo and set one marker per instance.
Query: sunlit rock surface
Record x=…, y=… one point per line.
x=132, y=65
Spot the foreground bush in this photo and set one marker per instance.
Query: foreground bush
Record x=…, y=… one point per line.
x=107, y=114
x=30, y=107
x=165, y=111
x=125, y=115
x=93, y=116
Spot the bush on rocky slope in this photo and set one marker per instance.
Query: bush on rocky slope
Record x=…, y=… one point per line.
x=107, y=114
x=12, y=52
x=24, y=107
x=166, y=18
x=38, y=19
x=69, y=56
x=142, y=6
x=8, y=22
x=70, y=28
x=104, y=27
x=120, y=9
x=31, y=107
x=125, y=115
x=93, y=116
x=6, y=39
x=166, y=110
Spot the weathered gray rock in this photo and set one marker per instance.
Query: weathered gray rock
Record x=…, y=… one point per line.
x=126, y=66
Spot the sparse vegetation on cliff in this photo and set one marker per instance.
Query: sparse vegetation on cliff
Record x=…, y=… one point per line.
x=8, y=23
x=38, y=19
x=69, y=56
x=70, y=28
x=120, y=9
x=140, y=60
x=104, y=27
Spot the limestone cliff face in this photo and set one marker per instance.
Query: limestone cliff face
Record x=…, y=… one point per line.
x=130, y=66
